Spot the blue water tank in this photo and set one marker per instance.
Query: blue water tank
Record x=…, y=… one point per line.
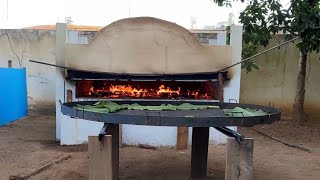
x=13, y=95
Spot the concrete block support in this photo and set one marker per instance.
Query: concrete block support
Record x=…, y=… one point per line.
x=100, y=158
x=239, y=159
x=104, y=155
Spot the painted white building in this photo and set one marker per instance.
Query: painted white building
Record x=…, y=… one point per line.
x=76, y=131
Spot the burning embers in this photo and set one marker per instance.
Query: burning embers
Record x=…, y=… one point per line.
x=145, y=89
x=129, y=91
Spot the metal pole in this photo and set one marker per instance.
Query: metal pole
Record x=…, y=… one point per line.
x=48, y=64
x=265, y=51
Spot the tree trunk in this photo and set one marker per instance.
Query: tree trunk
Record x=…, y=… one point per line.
x=298, y=106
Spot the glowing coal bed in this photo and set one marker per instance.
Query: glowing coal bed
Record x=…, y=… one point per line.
x=204, y=90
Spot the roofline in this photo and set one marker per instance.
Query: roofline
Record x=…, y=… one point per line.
x=207, y=30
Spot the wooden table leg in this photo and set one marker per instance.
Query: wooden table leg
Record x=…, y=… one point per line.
x=182, y=138
x=199, y=152
x=113, y=130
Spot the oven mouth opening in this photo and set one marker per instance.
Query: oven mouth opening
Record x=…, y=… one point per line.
x=162, y=90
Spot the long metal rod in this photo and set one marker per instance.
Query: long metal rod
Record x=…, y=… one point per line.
x=245, y=60
x=228, y=132
x=265, y=51
x=68, y=68
x=54, y=65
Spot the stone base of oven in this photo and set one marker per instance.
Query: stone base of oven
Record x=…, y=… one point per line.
x=76, y=131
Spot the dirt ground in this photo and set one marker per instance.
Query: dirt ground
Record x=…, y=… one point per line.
x=28, y=142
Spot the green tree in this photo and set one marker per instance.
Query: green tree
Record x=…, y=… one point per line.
x=300, y=18
x=68, y=20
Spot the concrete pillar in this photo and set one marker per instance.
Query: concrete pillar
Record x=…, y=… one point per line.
x=232, y=89
x=61, y=29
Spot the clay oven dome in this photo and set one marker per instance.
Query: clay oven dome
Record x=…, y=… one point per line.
x=146, y=45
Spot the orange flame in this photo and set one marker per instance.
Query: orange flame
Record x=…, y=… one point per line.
x=126, y=90
x=116, y=91
x=167, y=90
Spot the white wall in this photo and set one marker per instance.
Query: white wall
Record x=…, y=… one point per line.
x=36, y=45
x=232, y=88
x=39, y=45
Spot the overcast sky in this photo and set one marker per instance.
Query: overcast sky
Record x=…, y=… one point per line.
x=24, y=13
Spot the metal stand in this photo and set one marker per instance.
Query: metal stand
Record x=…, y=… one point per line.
x=113, y=130
x=199, y=152
x=230, y=133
